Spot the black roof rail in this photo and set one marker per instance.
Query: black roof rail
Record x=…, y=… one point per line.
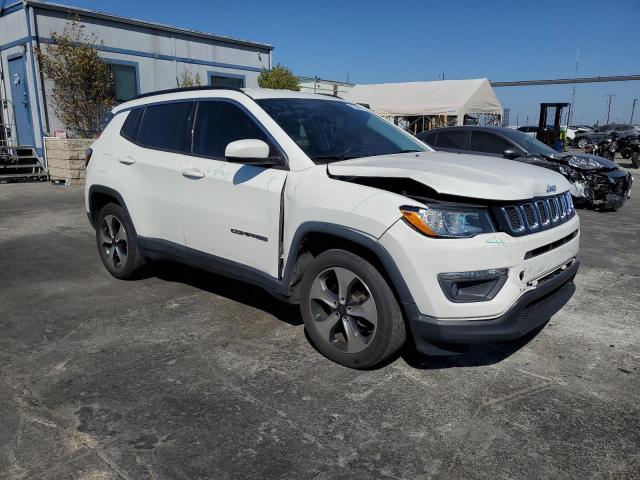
x=186, y=89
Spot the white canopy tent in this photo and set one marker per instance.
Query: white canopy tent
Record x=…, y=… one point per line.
x=447, y=98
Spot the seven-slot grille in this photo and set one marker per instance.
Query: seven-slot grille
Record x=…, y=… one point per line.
x=532, y=216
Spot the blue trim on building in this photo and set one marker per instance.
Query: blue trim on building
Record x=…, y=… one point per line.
x=136, y=65
x=14, y=7
x=215, y=73
x=15, y=43
x=170, y=58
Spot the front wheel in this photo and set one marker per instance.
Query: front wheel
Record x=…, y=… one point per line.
x=635, y=159
x=582, y=142
x=349, y=310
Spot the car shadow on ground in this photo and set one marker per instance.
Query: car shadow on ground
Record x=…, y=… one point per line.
x=226, y=287
x=250, y=295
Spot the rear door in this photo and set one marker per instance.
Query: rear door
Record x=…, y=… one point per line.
x=154, y=139
x=230, y=210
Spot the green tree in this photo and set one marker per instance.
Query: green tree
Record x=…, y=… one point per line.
x=187, y=80
x=279, y=77
x=83, y=88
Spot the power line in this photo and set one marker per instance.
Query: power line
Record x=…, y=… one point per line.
x=561, y=81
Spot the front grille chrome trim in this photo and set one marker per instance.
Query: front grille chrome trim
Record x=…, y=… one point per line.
x=537, y=214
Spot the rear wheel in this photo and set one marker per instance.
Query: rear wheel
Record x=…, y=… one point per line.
x=349, y=310
x=582, y=142
x=116, y=240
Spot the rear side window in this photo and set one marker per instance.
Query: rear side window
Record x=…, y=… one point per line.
x=453, y=139
x=166, y=126
x=488, y=142
x=131, y=124
x=220, y=123
x=428, y=138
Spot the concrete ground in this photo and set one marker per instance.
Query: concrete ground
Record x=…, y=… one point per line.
x=186, y=375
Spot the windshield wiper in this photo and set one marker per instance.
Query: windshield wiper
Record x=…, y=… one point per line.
x=407, y=151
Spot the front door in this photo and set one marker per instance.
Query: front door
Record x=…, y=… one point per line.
x=230, y=210
x=20, y=99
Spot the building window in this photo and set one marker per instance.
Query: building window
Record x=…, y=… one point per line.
x=219, y=80
x=125, y=81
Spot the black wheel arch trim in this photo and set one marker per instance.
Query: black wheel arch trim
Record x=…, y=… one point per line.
x=106, y=191
x=352, y=235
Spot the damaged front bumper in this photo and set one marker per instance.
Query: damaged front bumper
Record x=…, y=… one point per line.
x=605, y=190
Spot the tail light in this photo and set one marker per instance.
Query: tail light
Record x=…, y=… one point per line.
x=87, y=156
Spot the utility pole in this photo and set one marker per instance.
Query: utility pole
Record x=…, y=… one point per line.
x=573, y=92
x=610, y=95
x=633, y=109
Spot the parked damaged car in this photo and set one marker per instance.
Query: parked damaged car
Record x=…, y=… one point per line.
x=596, y=181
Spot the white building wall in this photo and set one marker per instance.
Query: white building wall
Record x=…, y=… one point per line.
x=159, y=55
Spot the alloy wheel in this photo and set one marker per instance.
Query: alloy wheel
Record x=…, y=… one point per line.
x=113, y=241
x=343, y=309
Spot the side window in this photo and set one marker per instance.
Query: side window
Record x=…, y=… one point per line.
x=453, y=139
x=131, y=124
x=220, y=123
x=428, y=138
x=166, y=126
x=223, y=81
x=124, y=80
x=488, y=142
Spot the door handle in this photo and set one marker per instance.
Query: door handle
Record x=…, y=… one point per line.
x=192, y=173
x=126, y=160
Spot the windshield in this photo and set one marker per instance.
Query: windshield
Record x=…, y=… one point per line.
x=530, y=144
x=329, y=130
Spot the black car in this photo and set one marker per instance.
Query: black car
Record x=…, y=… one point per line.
x=596, y=181
x=603, y=132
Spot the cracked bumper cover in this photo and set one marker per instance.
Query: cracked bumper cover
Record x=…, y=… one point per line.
x=532, y=310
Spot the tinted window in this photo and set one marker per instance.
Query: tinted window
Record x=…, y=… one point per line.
x=488, y=142
x=453, y=139
x=166, y=126
x=131, y=124
x=428, y=138
x=222, y=81
x=124, y=80
x=220, y=123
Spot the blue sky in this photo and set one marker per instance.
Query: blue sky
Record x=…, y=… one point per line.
x=382, y=41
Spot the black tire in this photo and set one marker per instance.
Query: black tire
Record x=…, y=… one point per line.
x=117, y=244
x=625, y=154
x=635, y=159
x=582, y=142
x=388, y=333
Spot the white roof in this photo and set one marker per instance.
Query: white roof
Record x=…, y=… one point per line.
x=445, y=97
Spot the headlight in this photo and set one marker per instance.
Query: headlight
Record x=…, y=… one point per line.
x=583, y=163
x=448, y=221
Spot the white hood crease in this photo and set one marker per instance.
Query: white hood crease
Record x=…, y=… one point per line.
x=471, y=176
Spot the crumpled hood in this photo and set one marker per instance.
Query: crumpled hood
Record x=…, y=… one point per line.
x=472, y=176
x=604, y=163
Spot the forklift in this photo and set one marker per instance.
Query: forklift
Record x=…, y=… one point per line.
x=551, y=134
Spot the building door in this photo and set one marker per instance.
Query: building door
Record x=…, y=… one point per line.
x=20, y=99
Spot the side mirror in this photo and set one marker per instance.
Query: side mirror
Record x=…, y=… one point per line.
x=250, y=152
x=511, y=153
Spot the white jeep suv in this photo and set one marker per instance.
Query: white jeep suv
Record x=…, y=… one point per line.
x=326, y=205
